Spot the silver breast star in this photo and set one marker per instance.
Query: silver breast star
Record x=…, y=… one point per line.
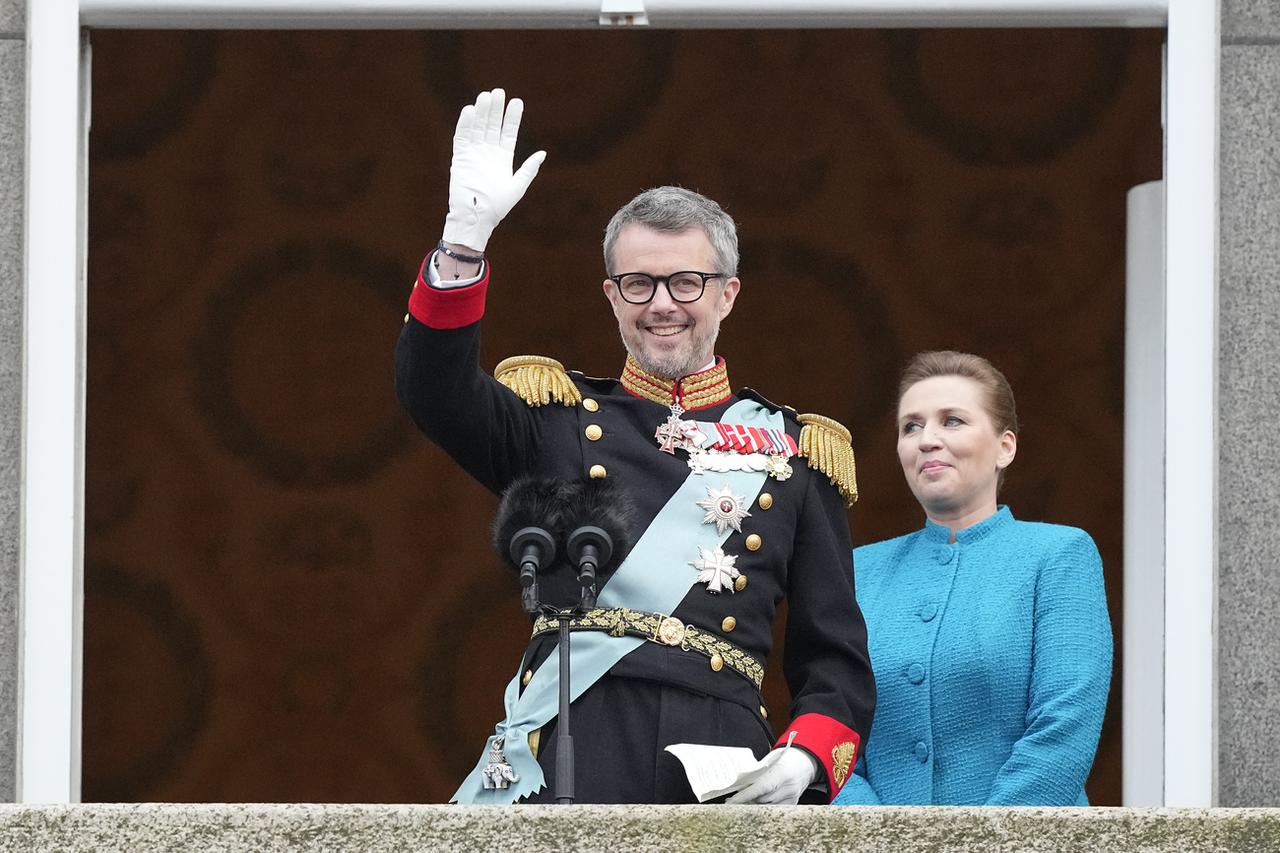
x=715, y=569
x=725, y=509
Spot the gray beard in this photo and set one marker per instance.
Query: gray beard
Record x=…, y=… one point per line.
x=670, y=368
x=673, y=367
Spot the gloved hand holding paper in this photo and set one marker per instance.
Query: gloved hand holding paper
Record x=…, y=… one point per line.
x=714, y=771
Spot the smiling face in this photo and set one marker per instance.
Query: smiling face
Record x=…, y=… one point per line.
x=951, y=452
x=668, y=338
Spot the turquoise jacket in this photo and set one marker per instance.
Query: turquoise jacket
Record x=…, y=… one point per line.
x=992, y=659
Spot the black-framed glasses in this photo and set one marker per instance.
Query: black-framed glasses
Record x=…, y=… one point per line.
x=684, y=286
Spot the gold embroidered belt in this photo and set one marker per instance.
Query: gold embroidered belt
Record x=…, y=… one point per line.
x=663, y=630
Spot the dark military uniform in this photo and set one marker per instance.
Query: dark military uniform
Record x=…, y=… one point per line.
x=795, y=543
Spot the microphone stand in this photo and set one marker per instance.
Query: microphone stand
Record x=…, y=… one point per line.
x=564, y=736
x=564, y=739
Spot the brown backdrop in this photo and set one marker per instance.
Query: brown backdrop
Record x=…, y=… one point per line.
x=288, y=595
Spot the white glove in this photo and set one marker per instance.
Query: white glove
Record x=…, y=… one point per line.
x=482, y=188
x=783, y=783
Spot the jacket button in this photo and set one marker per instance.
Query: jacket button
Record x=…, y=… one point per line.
x=921, y=752
x=590, y=405
x=764, y=712
x=740, y=584
x=728, y=624
x=915, y=673
x=527, y=677
x=754, y=542
x=928, y=611
x=717, y=662
x=593, y=432
x=766, y=500
x=597, y=472
x=945, y=553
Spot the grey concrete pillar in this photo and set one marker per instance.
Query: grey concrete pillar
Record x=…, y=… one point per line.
x=12, y=130
x=1249, y=406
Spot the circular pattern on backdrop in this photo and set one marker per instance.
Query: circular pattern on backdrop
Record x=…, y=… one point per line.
x=317, y=539
x=122, y=240
x=460, y=679
x=1016, y=243
x=578, y=116
x=326, y=577
x=307, y=170
x=144, y=102
x=811, y=318
x=115, y=475
x=810, y=171
x=292, y=366
x=316, y=684
x=1005, y=96
x=1008, y=215
x=147, y=685
x=320, y=150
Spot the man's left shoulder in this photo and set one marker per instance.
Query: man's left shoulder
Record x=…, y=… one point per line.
x=824, y=443
x=792, y=417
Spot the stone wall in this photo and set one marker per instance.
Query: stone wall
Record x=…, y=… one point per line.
x=12, y=125
x=1248, y=405
x=531, y=829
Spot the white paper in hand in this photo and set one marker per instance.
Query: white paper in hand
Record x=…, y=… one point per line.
x=714, y=771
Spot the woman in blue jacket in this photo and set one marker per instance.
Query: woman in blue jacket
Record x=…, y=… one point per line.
x=989, y=636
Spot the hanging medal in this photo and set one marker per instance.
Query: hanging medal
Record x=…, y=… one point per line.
x=670, y=433
x=778, y=467
x=498, y=773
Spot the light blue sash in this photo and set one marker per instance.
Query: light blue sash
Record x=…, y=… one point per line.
x=655, y=577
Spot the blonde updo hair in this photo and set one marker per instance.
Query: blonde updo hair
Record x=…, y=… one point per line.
x=997, y=394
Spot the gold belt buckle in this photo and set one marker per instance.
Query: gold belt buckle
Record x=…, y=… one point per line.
x=669, y=631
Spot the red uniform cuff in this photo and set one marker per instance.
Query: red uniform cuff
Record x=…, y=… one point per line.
x=448, y=309
x=834, y=744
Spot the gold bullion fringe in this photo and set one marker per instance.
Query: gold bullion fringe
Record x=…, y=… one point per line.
x=828, y=447
x=538, y=380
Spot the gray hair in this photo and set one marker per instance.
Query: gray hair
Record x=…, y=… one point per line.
x=674, y=210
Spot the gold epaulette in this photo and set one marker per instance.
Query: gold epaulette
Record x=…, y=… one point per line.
x=538, y=380
x=828, y=447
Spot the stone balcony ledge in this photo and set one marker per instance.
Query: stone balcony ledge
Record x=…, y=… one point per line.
x=272, y=828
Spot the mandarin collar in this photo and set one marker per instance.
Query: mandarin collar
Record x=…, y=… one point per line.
x=692, y=391
x=940, y=533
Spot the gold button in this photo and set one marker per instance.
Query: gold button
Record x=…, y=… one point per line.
x=728, y=624
x=766, y=500
x=590, y=405
x=764, y=712
x=593, y=432
x=597, y=472
x=754, y=542
x=717, y=662
x=527, y=677
x=741, y=583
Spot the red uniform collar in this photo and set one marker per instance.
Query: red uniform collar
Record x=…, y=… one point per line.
x=694, y=391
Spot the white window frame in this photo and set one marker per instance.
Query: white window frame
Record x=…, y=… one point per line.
x=54, y=336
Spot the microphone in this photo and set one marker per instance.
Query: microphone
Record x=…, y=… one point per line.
x=596, y=530
x=530, y=510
